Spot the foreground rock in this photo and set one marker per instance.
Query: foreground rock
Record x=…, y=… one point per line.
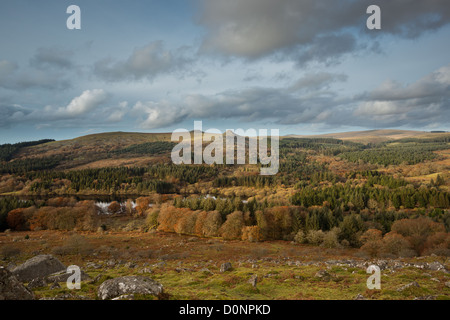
x=38, y=267
x=413, y=284
x=129, y=285
x=11, y=288
x=226, y=267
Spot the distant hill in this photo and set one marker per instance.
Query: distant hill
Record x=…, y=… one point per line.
x=113, y=148
x=376, y=136
x=101, y=142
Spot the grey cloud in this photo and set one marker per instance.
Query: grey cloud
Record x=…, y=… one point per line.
x=10, y=114
x=424, y=101
x=311, y=100
x=145, y=62
x=45, y=58
x=257, y=28
x=316, y=81
x=278, y=105
x=325, y=49
x=12, y=77
x=7, y=68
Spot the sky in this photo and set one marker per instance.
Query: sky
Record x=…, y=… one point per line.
x=300, y=66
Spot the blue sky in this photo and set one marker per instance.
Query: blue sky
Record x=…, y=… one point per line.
x=303, y=67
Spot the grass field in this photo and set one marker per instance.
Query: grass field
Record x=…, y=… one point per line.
x=189, y=267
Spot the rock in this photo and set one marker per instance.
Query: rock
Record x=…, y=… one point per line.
x=96, y=279
x=447, y=284
x=436, y=266
x=359, y=297
x=37, y=283
x=180, y=270
x=146, y=270
x=161, y=264
x=130, y=265
x=111, y=263
x=92, y=265
x=206, y=271
x=62, y=276
x=11, y=266
x=125, y=297
x=323, y=275
x=409, y=285
x=11, y=288
x=55, y=285
x=66, y=296
x=38, y=267
x=253, y=280
x=226, y=267
x=426, y=298
x=129, y=285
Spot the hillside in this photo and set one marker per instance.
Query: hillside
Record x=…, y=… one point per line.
x=375, y=136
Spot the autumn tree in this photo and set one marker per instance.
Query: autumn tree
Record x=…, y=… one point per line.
x=417, y=231
x=232, y=228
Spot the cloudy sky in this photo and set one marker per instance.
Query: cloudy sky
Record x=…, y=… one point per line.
x=301, y=66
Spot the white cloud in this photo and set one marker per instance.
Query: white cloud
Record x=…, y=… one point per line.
x=153, y=115
x=87, y=101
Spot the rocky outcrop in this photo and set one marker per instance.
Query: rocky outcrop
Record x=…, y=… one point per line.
x=40, y=266
x=129, y=285
x=11, y=288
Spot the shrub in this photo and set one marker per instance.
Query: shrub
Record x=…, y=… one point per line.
x=395, y=244
x=315, y=237
x=251, y=233
x=114, y=207
x=169, y=217
x=351, y=229
x=417, y=231
x=372, y=242
x=300, y=237
x=438, y=244
x=64, y=218
x=16, y=220
x=142, y=205
x=151, y=220
x=331, y=238
x=186, y=223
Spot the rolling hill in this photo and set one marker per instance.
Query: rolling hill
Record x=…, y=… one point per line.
x=375, y=136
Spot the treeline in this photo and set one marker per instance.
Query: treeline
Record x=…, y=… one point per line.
x=396, y=154
x=246, y=181
x=148, y=148
x=23, y=166
x=7, y=151
x=6, y=205
x=104, y=179
x=348, y=197
x=326, y=146
x=159, y=178
x=319, y=226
